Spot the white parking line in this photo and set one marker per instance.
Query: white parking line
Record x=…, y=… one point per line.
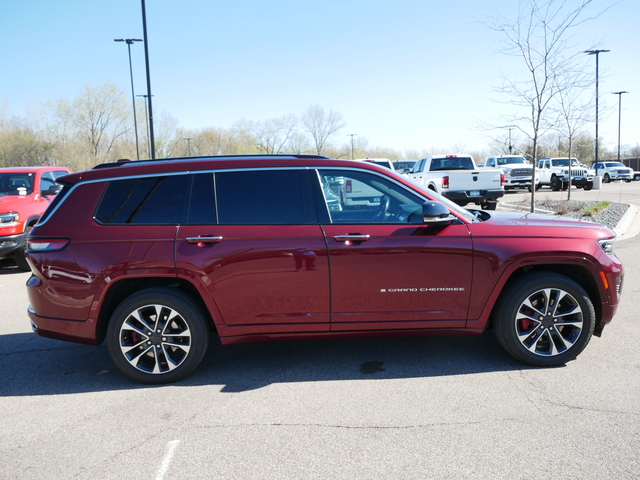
x=166, y=461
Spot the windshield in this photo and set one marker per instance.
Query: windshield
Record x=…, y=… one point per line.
x=564, y=162
x=16, y=183
x=508, y=160
x=614, y=164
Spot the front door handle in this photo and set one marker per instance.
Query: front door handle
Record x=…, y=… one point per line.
x=351, y=238
x=203, y=241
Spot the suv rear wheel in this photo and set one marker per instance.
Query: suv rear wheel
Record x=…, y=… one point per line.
x=544, y=319
x=157, y=335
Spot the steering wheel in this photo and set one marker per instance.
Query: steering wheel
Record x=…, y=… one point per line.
x=385, y=203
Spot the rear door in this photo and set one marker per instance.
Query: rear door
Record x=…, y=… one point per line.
x=388, y=269
x=253, y=238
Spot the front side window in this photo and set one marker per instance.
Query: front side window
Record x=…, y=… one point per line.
x=361, y=197
x=143, y=201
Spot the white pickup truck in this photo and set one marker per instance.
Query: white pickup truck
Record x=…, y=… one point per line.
x=458, y=178
x=517, y=170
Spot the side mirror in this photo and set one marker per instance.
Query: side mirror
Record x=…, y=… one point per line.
x=436, y=212
x=52, y=190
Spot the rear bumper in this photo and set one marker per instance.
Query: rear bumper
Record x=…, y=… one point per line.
x=476, y=196
x=62, y=329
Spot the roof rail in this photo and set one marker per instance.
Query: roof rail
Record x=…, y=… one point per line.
x=125, y=161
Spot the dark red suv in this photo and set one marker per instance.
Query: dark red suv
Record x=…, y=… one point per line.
x=156, y=256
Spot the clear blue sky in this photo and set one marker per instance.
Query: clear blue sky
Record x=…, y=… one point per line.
x=404, y=74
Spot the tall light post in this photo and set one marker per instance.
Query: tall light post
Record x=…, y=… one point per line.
x=133, y=95
x=146, y=116
x=352, y=135
x=188, y=139
x=596, y=53
x=146, y=60
x=619, y=117
x=510, y=127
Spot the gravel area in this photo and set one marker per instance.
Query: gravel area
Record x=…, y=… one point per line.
x=609, y=216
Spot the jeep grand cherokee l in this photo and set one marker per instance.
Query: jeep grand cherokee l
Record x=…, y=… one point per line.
x=157, y=256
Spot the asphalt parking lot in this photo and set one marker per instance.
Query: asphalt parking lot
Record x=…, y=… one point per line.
x=404, y=408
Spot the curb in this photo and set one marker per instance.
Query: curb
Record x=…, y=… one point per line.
x=629, y=224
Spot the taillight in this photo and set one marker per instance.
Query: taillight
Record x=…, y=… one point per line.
x=445, y=182
x=348, y=186
x=502, y=179
x=47, y=244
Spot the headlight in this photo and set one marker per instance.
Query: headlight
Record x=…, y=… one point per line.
x=9, y=219
x=607, y=245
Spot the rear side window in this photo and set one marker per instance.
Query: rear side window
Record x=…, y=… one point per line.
x=143, y=201
x=267, y=197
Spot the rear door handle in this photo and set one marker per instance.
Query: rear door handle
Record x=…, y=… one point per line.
x=203, y=241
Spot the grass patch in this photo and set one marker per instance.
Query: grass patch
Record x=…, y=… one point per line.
x=594, y=209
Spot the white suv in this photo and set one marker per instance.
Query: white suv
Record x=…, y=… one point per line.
x=555, y=173
x=612, y=171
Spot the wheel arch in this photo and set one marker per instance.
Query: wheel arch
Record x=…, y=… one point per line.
x=125, y=287
x=580, y=274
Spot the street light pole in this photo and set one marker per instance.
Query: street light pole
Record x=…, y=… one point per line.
x=510, y=127
x=351, y=135
x=146, y=116
x=133, y=95
x=188, y=139
x=619, y=117
x=596, y=53
x=146, y=59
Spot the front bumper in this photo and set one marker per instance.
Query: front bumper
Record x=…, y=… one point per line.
x=11, y=243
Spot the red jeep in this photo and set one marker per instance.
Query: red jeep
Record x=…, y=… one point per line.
x=25, y=193
x=155, y=256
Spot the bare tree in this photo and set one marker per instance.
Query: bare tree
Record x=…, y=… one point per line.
x=539, y=36
x=321, y=125
x=273, y=134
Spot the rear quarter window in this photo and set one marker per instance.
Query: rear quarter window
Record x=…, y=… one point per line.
x=143, y=201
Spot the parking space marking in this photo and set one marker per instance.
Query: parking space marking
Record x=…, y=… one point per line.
x=166, y=461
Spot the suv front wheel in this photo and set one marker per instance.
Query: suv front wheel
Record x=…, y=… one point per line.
x=544, y=319
x=157, y=335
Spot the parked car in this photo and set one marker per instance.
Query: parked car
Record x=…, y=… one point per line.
x=555, y=172
x=383, y=162
x=612, y=171
x=157, y=256
x=25, y=193
x=517, y=170
x=403, y=166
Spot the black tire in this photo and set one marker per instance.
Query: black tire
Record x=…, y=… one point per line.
x=538, y=186
x=541, y=337
x=489, y=205
x=636, y=177
x=606, y=178
x=555, y=183
x=180, y=336
x=19, y=255
x=588, y=186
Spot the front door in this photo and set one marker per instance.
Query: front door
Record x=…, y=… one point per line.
x=388, y=269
